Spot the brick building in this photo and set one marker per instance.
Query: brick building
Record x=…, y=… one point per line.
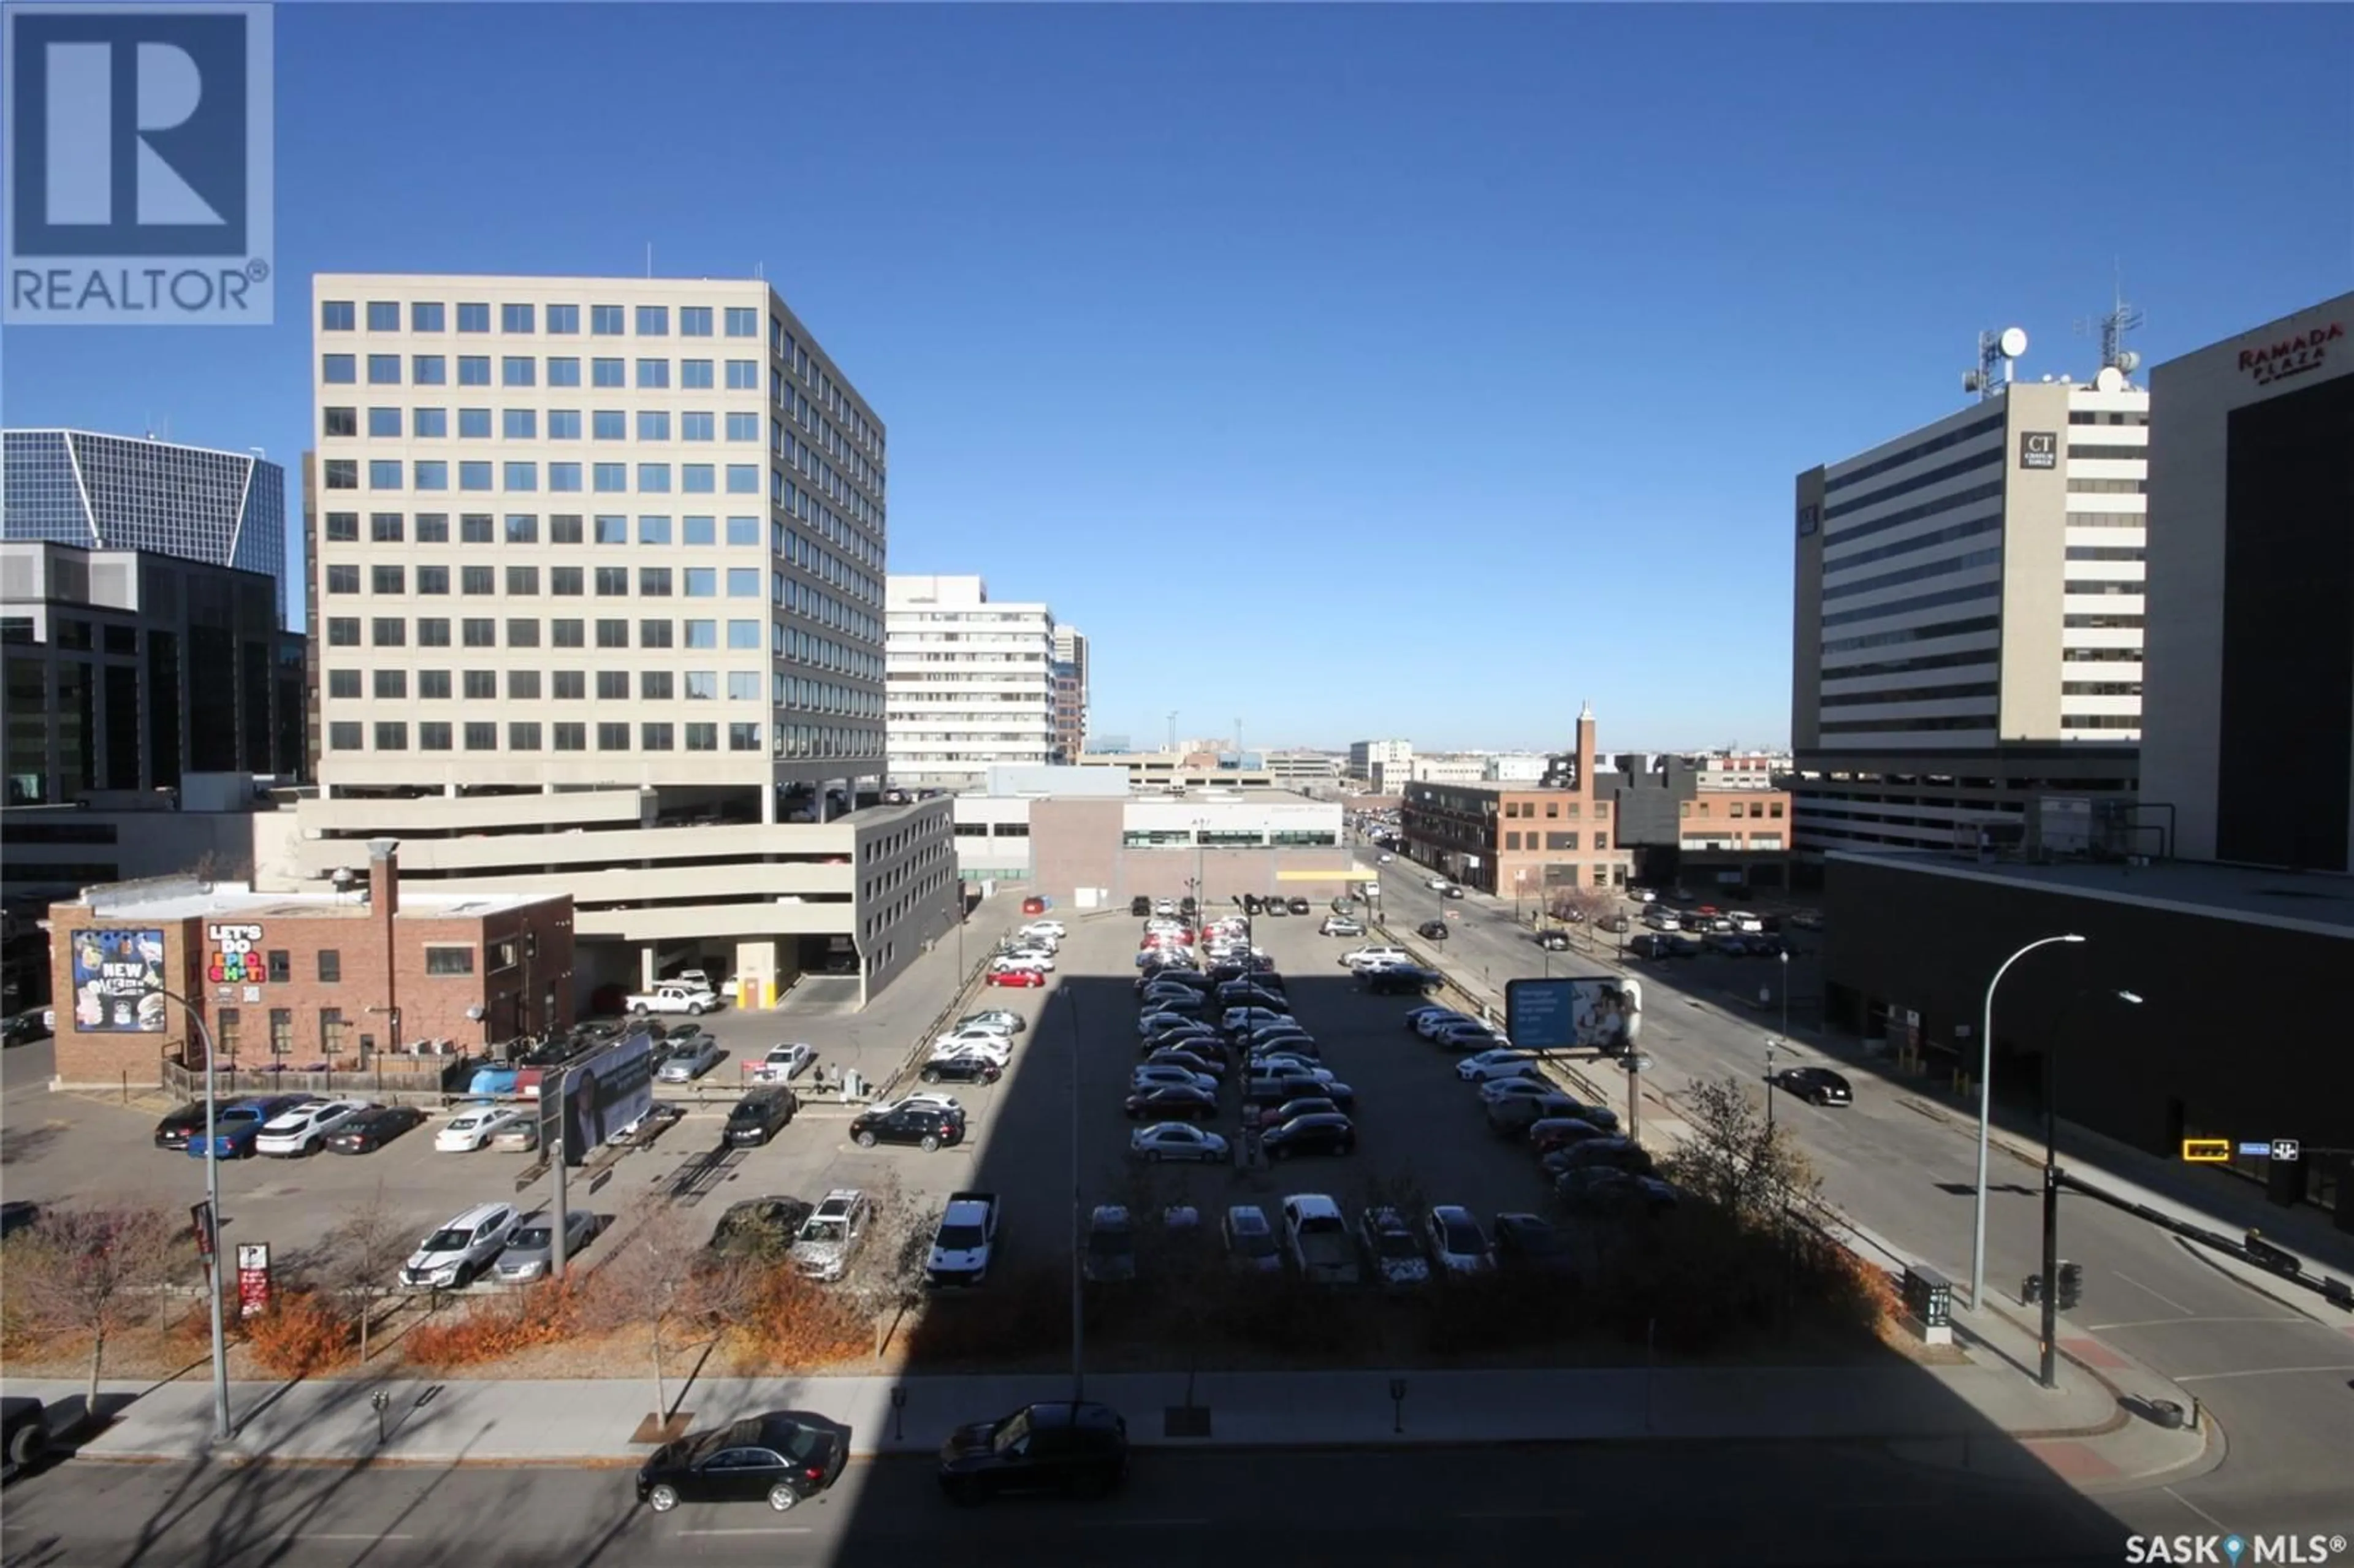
x=1685, y=824
x=1518, y=842
x=299, y=978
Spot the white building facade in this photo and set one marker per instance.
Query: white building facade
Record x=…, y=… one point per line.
x=972, y=682
x=1384, y=764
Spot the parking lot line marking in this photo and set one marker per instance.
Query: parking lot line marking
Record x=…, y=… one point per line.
x=2138, y=1285
x=344, y=1535
x=2260, y=1371
x=1519, y=1513
x=1153, y=1523
x=756, y=1529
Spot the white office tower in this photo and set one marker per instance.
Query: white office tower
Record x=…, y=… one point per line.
x=972, y=682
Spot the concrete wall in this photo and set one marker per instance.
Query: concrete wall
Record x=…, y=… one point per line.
x=2035, y=566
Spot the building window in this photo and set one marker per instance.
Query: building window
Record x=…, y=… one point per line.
x=703, y=738
x=282, y=966
x=331, y=1032
x=613, y=737
x=654, y=373
x=443, y=960
x=571, y=737
x=391, y=734
x=606, y=321
x=523, y=736
x=282, y=1032
x=563, y=320
x=655, y=736
x=743, y=737
x=433, y=734
x=331, y=966
x=227, y=1023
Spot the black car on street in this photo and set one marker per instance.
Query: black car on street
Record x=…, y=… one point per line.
x=1077, y=1450
x=1815, y=1085
x=776, y=1459
x=1432, y=930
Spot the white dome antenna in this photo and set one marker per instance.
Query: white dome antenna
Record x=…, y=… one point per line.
x=1997, y=351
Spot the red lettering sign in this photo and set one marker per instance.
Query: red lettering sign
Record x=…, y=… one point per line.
x=2291, y=355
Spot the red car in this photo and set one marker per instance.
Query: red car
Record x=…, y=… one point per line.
x=1017, y=976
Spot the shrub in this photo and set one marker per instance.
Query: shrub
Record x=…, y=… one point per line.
x=302, y=1333
x=792, y=1324
x=1022, y=1311
x=487, y=1329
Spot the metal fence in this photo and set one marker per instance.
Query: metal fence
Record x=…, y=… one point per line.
x=422, y=1077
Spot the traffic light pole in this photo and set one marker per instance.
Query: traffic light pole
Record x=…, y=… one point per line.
x=2049, y=1374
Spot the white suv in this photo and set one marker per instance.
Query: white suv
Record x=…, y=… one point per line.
x=464, y=1247
x=1371, y=957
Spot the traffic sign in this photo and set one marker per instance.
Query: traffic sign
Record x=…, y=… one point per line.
x=2207, y=1150
x=2285, y=1149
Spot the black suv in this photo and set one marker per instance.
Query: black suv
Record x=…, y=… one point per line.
x=927, y=1127
x=1080, y=1450
x=961, y=1070
x=1401, y=980
x=1300, y=907
x=1432, y=930
x=758, y=1115
x=1140, y=906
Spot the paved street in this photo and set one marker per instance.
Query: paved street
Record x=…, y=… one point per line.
x=2276, y=1380
x=1686, y=1503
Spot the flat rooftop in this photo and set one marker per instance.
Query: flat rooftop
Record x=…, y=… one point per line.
x=236, y=901
x=2294, y=900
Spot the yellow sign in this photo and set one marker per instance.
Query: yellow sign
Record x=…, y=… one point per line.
x=2207, y=1150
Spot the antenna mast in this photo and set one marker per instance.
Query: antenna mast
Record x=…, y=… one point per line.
x=2121, y=318
x=1997, y=350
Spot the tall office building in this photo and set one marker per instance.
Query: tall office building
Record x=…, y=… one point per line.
x=1070, y=693
x=608, y=555
x=1967, y=632
x=972, y=682
x=1384, y=764
x=115, y=493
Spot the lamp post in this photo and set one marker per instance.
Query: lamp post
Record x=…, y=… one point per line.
x=222, y=1432
x=1078, y=1303
x=1986, y=1066
x=2048, y=1373
x=1770, y=1044
x=1784, y=957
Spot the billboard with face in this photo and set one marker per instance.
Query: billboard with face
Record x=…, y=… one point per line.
x=604, y=1094
x=118, y=982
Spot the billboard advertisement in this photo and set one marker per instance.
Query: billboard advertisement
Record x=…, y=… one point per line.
x=605, y=1093
x=1595, y=1013
x=118, y=982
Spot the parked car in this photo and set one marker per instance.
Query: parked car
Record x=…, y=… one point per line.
x=761, y=1228
x=1207, y=1062
x=24, y=1433
x=776, y=1459
x=237, y=1124
x=688, y=1061
x=470, y=1129
x=1457, y=1245
x=180, y=1125
x=371, y=1129
x=1815, y=1085
x=784, y=1063
x=1549, y=1133
x=1148, y=1075
x=32, y=1023
x=1392, y=1252
x=303, y=1130
x=993, y=1018
x=1617, y=1153
x=1018, y=979
x=1297, y=906
x=992, y=1048
x=925, y=1125
x=520, y=1136
x=966, y=1243
x=1502, y=1063
x=1297, y=1106
x=1166, y=1140
x=1399, y=980
x=1078, y=1449
x=1322, y=1132
x=530, y=1252
x=1528, y=1244
x=1606, y=1192
x=829, y=1239
x=1341, y=925
x=1172, y=1102
x=1251, y=1246
x=1108, y=1254
x=760, y=1115
x=960, y=1070
x=465, y=1246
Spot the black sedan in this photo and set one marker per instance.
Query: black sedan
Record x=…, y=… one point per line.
x=1322, y=1132
x=1173, y=1102
x=776, y=1459
x=1207, y=1061
x=373, y=1128
x=1432, y=930
x=1078, y=1449
x=961, y=1070
x=179, y=1126
x=1815, y=1085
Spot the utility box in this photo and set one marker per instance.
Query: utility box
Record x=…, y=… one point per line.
x=1929, y=1301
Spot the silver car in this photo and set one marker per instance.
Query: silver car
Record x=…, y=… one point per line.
x=689, y=1061
x=829, y=1238
x=531, y=1247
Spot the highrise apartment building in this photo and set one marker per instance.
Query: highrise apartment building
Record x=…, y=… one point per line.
x=116, y=492
x=1384, y=764
x=598, y=557
x=1070, y=693
x=1967, y=632
x=971, y=682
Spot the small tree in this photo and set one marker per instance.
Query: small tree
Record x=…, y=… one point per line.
x=886, y=1278
x=660, y=1284
x=1734, y=1161
x=87, y=1270
x=360, y=1253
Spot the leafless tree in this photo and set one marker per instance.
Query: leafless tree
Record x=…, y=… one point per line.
x=88, y=1270
x=663, y=1284
x=1736, y=1161
x=886, y=1276
x=1401, y=1189
x=358, y=1257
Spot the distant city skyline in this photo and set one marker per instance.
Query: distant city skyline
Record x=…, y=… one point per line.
x=1366, y=346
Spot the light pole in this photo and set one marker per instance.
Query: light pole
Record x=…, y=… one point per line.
x=1784, y=956
x=1078, y=1239
x=2049, y=1374
x=1770, y=1043
x=1986, y=1066
x=221, y=1430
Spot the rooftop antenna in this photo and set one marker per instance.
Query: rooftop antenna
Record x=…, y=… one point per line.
x=650, y=258
x=1997, y=350
x=2112, y=328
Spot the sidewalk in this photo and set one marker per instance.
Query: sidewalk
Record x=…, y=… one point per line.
x=1985, y=1415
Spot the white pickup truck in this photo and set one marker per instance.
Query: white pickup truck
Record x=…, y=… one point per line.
x=672, y=997
x=1318, y=1239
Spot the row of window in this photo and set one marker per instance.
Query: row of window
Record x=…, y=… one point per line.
x=1909, y=666
x=1953, y=437
x=1985, y=721
x=1903, y=634
x=575, y=528
x=1738, y=810
x=743, y=636
x=523, y=582
x=523, y=476
x=529, y=735
x=1552, y=840
x=2100, y=688
x=2132, y=454
x=647, y=375
x=2108, y=519
x=1971, y=496
x=1553, y=809
x=796, y=693
x=2106, y=416
x=1991, y=457
x=562, y=320
x=1990, y=524
x=1914, y=694
x=432, y=423
x=1918, y=601
x=1968, y=560
x=2105, y=552
x=2099, y=721
x=2107, y=486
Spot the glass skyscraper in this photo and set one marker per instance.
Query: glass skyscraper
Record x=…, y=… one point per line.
x=117, y=492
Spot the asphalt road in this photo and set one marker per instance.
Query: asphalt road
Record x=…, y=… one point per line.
x=2280, y=1382
x=1682, y=1503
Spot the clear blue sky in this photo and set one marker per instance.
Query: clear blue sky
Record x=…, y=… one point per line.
x=1353, y=372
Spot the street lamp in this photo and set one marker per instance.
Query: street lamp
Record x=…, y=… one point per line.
x=1985, y=1066
x=221, y=1430
x=1770, y=1044
x=2049, y=1371
x=1784, y=956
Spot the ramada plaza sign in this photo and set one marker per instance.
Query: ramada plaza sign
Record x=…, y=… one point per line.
x=2291, y=355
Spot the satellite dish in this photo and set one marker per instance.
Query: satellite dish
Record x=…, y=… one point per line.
x=2110, y=379
x=2128, y=361
x=2013, y=343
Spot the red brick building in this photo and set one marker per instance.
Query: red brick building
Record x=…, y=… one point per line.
x=299, y=978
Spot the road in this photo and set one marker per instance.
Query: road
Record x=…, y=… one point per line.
x=1684, y=1503
x=2275, y=1379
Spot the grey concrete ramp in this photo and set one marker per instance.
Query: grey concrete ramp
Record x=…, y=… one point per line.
x=821, y=996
